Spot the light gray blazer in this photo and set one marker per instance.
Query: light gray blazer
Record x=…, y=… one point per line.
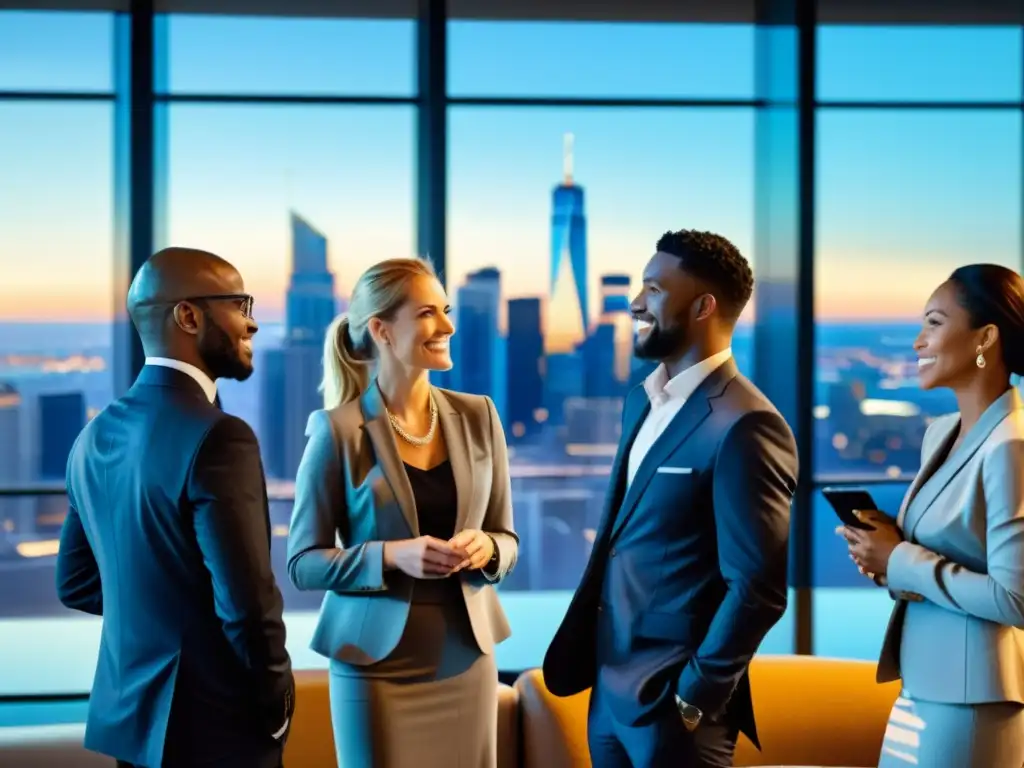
x=352, y=494
x=955, y=635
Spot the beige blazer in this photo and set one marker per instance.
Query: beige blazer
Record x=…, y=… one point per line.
x=352, y=494
x=956, y=634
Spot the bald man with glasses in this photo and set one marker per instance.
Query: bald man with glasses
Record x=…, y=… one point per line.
x=168, y=539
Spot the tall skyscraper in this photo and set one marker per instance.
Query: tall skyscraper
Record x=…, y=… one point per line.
x=273, y=371
x=310, y=301
x=291, y=375
x=525, y=381
x=615, y=313
x=568, y=316
x=10, y=437
x=477, y=347
x=61, y=418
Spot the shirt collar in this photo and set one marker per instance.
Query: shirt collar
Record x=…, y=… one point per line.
x=660, y=388
x=209, y=385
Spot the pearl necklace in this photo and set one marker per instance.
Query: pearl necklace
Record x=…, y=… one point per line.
x=412, y=439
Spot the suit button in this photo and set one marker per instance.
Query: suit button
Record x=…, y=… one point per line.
x=612, y=552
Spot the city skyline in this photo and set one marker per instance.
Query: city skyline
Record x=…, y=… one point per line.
x=91, y=299
x=903, y=194
x=909, y=192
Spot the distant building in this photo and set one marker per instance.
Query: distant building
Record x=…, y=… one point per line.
x=525, y=370
x=10, y=434
x=568, y=315
x=273, y=380
x=609, y=348
x=477, y=347
x=61, y=418
x=292, y=374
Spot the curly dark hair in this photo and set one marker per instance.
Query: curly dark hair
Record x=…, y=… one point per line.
x=716, y=261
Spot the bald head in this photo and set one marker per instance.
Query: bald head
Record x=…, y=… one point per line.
x=168, y=277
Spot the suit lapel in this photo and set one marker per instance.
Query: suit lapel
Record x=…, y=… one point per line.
x=696, y=408
x=385, y=448
x=634, y=419
x=453, y=426
x=936, y=484
x=926, y=471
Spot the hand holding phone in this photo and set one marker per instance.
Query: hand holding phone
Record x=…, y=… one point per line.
x=846, y=502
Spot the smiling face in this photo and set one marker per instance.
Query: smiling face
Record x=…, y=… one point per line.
x=663, y=310
x=947, y=346
x=419, y=333
x=224, y=334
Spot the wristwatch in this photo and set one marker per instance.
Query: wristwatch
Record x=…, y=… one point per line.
x=690, y=714
x=493, y=561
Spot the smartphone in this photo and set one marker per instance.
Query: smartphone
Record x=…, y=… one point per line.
x=847, y=500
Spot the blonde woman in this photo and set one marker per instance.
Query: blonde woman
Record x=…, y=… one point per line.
x=403, y=514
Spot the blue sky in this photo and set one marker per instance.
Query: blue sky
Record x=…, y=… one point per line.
x=907, y=193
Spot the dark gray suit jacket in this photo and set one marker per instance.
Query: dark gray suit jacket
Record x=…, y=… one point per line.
x=352, y=494
x=688, y=570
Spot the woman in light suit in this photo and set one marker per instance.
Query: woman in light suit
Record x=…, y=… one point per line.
x=953, y=559
x=403, y=514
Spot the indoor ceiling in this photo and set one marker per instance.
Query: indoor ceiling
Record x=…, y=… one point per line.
x=942, y=12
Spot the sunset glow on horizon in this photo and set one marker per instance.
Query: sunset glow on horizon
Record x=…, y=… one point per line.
x=902, y=196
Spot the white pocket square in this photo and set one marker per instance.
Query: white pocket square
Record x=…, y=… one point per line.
x=675, y=470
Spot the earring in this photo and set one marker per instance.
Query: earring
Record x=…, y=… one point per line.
x=980, y=360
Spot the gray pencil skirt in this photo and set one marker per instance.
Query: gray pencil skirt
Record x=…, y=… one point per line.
x=432, y=703
x=931, y=735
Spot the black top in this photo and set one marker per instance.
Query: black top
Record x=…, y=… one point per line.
x=436, y=499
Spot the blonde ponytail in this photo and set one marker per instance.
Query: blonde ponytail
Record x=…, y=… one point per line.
x=346, y=365
x=349, y=351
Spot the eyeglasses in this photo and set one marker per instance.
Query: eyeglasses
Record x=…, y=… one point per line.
x=244, y=300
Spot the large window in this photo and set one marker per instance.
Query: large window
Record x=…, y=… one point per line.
x=904, y=197
x=918, y=172
x=56, y=310
x=290, y=147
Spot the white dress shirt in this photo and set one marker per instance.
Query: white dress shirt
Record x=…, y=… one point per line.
x=209, y=385
x=667, y=397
